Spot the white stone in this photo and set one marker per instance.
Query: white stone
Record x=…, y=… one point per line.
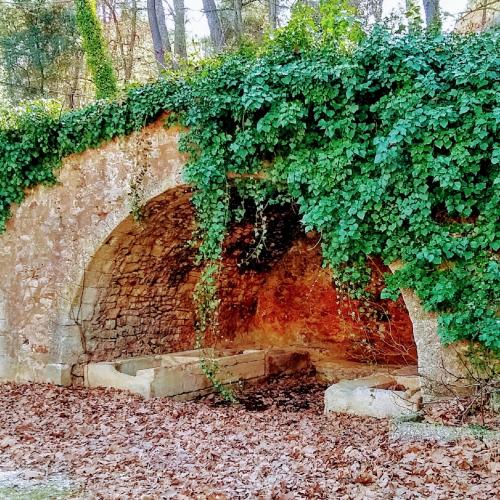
x=362, y=397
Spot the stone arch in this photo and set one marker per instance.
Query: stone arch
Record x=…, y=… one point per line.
x=53, y=235
x=136, y=294
x=58, y=233
x=135, y=281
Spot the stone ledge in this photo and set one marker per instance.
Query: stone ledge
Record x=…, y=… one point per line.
x=51, y=373
x=179, y=374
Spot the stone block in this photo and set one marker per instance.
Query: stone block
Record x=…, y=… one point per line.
x=7, y=368
x=85, y=312
x=112, y=313
x=56, y=373
x=334, y=371
x=69, y=350
x=51, y=373
x=106, y=375
x=175, y=375
x=362, y=397
x=90, y=295
x=285, y=362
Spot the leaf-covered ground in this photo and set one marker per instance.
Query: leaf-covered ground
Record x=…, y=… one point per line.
x=277, y=444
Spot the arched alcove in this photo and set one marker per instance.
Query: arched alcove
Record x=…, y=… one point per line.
x=136, y=293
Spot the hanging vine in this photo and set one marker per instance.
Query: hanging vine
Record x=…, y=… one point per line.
x=389, y=147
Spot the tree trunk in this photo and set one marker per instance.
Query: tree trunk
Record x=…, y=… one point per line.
x=238, y=18
x=94, y=46
x=378, y=10
x=214, y=25
x=484, y=14
x=118, y=33
x=273, y=14
x=432, y=16
x=72, y=97
x=129, y=63
x=155, y=34
x=180, y=29
x=162, y=25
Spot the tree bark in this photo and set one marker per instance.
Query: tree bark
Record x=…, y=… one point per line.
x=238, y=18
x=214, y=25
x=432, y=16
x=72, y=97
x=273, y=14
x=180, y=29
x=129, y=63
x=118, y=33
x=155, y=34
x=162, y=25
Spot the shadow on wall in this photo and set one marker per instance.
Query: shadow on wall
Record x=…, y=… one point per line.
x=137, y=292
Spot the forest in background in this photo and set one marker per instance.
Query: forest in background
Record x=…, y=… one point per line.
x=42, y=51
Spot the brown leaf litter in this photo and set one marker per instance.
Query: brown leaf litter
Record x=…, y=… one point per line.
x=276, y=444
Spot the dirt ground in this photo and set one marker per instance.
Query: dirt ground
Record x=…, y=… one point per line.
x=276, y=444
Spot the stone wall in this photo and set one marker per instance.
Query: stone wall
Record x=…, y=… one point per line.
x=54, y=234
x=80, y=280
x=137, y=291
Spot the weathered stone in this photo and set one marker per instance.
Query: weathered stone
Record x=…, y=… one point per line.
x=363, y=397
x=180, y=375
x=73, y=254
x=287, y=361
x=440, y=367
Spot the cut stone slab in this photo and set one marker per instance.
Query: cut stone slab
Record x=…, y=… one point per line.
x=363, y=397
x=419, y=431
x=333, y=371
x=180, y=375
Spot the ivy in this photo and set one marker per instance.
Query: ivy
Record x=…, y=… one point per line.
x=94, y=45
x=388, y=147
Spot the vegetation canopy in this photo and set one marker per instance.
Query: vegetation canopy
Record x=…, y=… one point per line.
x=388, y=146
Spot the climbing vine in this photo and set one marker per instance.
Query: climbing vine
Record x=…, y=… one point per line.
x=388, y=146
x=95, y=48
x=389, y=149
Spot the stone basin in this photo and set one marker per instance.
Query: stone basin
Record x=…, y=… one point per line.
x=179, y=374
